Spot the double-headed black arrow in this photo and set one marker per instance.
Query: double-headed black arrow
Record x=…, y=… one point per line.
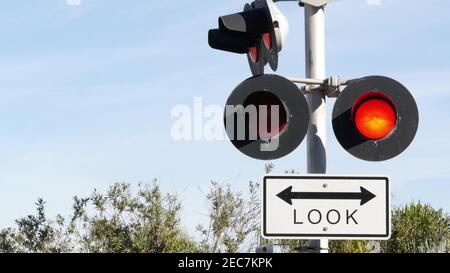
x=364, y=195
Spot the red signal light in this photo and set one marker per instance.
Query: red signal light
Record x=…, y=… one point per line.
x=374, y=116
x=264, y=98
x=249, y=124
x=267, y=40
x=253, y=53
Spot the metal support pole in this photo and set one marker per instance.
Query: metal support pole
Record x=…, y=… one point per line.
x=315, y=69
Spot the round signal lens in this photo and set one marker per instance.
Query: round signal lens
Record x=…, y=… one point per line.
x=253, y=53
x=267, y=40
x=264, y=114
x=375, y=118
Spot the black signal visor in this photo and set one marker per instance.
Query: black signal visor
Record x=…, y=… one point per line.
x=251, y=24
x=220, y=41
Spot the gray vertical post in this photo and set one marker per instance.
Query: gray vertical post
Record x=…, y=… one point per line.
x=315, y=68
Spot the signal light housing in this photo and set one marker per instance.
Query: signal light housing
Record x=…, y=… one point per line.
x=259, y=138
x=277, y=32
x=261, y=27
x=375, y=118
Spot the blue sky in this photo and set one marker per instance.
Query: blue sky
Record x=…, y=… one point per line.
x=87, y=92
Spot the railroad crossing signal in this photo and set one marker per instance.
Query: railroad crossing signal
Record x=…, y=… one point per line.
x=259, y=31
x=375, y=118
x=266, y=117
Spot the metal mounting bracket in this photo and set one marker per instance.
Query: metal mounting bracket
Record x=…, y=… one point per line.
x=330, y=86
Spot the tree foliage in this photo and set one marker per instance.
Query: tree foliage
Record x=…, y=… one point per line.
x=117, y=221
x=418, y=228
x=233, y=221
x=351, y=246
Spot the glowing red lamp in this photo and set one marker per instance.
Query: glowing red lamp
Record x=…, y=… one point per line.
x=374, y=117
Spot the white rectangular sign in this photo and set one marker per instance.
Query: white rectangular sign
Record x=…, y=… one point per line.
x=333, y=207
